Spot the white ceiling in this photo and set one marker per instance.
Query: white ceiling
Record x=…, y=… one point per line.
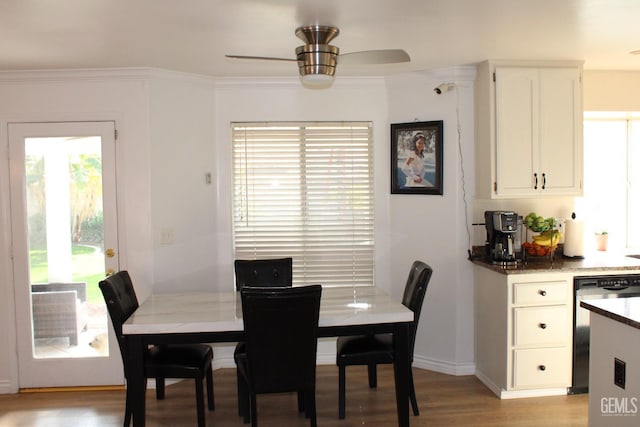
x=194, y=35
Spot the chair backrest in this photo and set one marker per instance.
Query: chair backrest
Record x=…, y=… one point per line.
x=413, y=297
x=121, y=301
x=281, y=335
x=275, y=272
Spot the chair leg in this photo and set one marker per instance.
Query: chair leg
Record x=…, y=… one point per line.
x=412, y=394
x=341, y=391
x=301, y=405
x=310, y=407
x=210, y=400
x=246, y=398
x=243, y=397
x=127, y=409
x=373, y=376
x=128, y=406
x=159, y=388
x=254, y=410
x=200, y=402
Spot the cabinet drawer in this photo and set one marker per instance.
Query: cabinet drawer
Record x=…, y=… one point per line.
x=545, y=367
x=541, y=293
x=548, y=326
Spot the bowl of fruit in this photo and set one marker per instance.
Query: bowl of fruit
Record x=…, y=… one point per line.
x=546, y=241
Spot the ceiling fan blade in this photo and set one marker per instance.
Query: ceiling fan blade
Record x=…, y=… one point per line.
x=267, y=58
x=382, y=56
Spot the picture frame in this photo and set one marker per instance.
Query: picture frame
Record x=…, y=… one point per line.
x=412, y=173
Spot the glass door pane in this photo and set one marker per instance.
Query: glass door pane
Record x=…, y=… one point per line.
x=66, y=246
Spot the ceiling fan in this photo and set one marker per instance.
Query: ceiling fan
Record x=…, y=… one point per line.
x=317, y=59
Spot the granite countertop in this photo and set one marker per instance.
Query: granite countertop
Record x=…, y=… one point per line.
x=623, y=310
x=595, y=261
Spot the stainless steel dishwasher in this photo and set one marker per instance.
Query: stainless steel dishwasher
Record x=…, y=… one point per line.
x=594, y=287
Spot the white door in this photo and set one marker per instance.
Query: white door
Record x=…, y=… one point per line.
x=64, y=238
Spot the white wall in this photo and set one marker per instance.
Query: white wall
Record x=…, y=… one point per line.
x=611, y=90
x=183, y=205
x=433, y=228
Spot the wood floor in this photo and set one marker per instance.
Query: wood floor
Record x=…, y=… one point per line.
x=444, y=400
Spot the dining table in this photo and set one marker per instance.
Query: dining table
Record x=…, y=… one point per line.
x=213, y=317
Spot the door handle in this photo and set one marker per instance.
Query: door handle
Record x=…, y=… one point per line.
x=109, y=272
x=110, y=253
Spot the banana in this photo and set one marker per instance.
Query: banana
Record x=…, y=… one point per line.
x=548, y=238
x=542, y=240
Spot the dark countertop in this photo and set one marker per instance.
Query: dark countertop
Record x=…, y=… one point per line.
x=592, y=262
x=623, y=310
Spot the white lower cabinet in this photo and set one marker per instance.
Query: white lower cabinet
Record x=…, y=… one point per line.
x=523, y=332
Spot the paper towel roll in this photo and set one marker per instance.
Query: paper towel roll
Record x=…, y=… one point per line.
x=574, y=238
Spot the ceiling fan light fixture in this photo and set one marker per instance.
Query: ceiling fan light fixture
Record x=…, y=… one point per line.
x=317, y=81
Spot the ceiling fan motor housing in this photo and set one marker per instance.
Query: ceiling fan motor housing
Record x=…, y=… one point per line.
x=317, y=56
x=317, y=59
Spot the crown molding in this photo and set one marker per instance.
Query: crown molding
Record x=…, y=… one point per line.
x=294, y=82
x=452, y=74
x=99, y=74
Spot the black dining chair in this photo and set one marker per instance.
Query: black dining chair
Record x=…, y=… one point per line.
x=271, y=272
x=372, y=350
x=281, y=333
x=163, y=361
x=263, y=272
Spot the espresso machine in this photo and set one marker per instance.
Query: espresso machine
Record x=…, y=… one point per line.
x=504, y=237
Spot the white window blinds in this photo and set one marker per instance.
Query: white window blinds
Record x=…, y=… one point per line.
x=305, y=190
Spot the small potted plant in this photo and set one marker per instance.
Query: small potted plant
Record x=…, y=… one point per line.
x=602, y=238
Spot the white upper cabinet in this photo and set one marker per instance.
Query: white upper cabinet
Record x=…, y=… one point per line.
x=528, y=129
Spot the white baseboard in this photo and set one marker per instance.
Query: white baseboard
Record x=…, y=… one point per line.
x=490, y=384
x=518, y=394
x=7, y=388
x=223, y=358
x=444, y=367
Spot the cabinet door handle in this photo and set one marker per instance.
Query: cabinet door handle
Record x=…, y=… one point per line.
x=542, y=292
x=544, y=180
x=542, y=367
x=535, y=175
x=543, y=326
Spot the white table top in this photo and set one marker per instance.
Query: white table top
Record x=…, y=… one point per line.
x=222, y=311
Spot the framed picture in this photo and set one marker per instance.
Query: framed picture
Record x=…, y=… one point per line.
x=416, y=158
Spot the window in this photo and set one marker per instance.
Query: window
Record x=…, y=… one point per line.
x=305, y=190
x=611, y=181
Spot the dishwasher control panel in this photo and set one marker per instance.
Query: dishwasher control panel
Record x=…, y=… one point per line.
x=612, y=281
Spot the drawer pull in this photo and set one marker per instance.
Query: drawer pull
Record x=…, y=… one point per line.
x=543, y=326
x=542, y=292
x=542, y=367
